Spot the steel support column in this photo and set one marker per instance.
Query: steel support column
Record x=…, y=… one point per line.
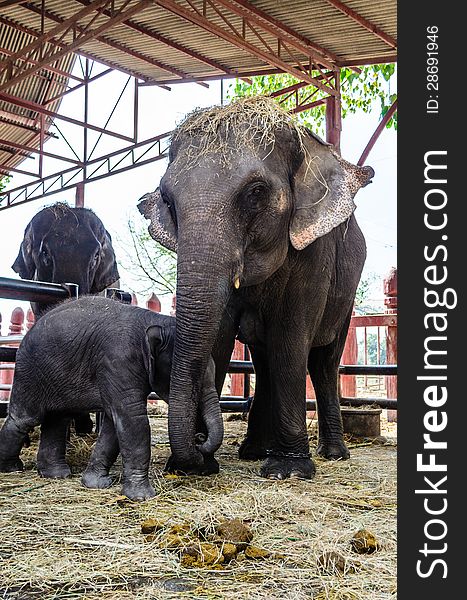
x=333, y=115
x=79, y=196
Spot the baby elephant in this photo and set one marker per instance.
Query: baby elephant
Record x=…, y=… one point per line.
x=98, y=354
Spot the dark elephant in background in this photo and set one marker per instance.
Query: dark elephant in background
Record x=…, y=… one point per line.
x=67, y=245
x=98, y=354
x=260, y=212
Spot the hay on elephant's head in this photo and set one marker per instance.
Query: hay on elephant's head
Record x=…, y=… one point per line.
x=247, y=124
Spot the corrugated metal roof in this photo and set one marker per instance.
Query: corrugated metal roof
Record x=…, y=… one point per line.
x=19, y=125
x=157, y=45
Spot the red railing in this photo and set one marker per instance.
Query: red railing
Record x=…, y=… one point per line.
x=240, y=384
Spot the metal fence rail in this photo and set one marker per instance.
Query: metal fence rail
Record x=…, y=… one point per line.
x=36, y=291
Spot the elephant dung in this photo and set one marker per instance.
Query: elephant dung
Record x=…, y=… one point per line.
x=229, y=551
x=254, y=553
x=333, y=563
x=178, y=536
x=364, y=542
x=235, y=532
x=202, y=555
x=151, y=525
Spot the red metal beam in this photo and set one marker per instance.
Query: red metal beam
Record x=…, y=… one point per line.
x=79, y=196
x=64, y=26
x=248, y=11
x=6, y=170
x=54, y=115
x=29, y=150
x=382, y=124
x=112, y=44
x=381, y=320
x=77, y=87
x=333, y=116
x=310, y=105
x=175, y=45
x=19, y=125
x=368, y=25
x=49, y=68
x=7, y=3
x=66, y=179
x=375, y=60
x=105, y=62
x=204, y=23
x=68, y=23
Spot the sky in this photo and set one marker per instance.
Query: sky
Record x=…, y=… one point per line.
x=114, y=199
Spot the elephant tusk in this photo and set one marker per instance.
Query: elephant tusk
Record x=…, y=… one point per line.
x=237, y=282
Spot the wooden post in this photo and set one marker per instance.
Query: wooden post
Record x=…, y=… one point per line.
x=236, y=380
x=390, y=302
x=153, y=303
x=348, y=385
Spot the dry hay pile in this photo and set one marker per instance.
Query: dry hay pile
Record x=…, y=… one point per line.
x=61, y=540
x=247, y=123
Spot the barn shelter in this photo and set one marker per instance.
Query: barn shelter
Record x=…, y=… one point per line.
x=163, y=43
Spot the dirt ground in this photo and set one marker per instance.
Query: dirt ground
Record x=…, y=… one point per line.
x=61, y=540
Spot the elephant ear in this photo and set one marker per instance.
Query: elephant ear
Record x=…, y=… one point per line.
x=24, y=264
x=162, y=227
x=324, y=187
x=107, y=270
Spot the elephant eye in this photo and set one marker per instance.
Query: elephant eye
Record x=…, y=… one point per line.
x=256, y=193
x=96, y=257
x=45, y=256
x=170, y=205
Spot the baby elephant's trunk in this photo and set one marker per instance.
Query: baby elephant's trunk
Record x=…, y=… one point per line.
x=211, y=415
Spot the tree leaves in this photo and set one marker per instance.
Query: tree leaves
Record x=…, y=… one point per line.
x=358, y=92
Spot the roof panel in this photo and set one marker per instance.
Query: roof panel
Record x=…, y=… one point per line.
x=157, y=45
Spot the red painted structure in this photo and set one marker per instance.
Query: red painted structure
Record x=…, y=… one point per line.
x=6, y=372
x=239, y=383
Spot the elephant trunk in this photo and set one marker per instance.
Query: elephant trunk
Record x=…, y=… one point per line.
x=203, y=289
x=212, y=417
x=74, y=273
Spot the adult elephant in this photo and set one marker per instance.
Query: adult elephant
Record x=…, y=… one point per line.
x=62, y=244
x=260, y=212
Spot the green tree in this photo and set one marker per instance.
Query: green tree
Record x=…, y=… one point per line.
x=150, y=266
x=4, y=181
x=358, y=93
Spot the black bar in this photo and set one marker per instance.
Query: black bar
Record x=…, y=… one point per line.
x=368, y=369
x=35, y=291
x=244, y=366
x=241, y=366
x=237, y=404
x=7, y=354
x=119, y=295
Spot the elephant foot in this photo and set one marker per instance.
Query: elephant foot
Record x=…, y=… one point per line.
x=209, y=466
x=333, y=450
x=251, y=451
x=275, y=467
x=57, y=471
x=12, y=465
x=97, y=481
x=83, y=425
x=142, y=490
